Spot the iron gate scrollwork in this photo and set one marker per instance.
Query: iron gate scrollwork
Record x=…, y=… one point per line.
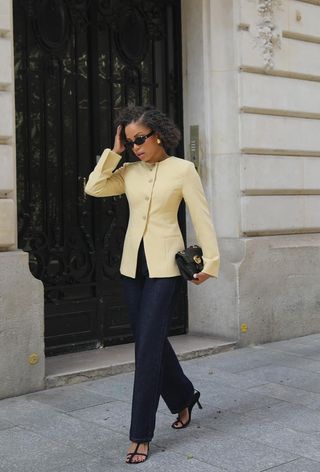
x=77, y=62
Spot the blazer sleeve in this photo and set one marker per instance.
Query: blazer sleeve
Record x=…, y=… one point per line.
x=103, y=182
x=197, y=204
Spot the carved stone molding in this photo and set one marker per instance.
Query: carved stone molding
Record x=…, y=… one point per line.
x=268, y=37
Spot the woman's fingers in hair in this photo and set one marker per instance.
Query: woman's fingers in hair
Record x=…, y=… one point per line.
x=118, y=144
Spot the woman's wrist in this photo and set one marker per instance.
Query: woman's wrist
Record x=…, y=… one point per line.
x=116, y=151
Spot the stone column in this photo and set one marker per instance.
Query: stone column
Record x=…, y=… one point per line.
x=211, y=101
x=21, y=295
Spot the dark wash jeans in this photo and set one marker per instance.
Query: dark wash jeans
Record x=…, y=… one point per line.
x=157, y=371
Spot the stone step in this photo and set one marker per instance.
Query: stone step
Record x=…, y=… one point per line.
x=89, y=365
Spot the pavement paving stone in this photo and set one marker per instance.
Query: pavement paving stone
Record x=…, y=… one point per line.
x=275, y=435
x=271, y=433
x=177, y=462
x=243, y=359
x=229, y=421
x=223, y=377
x=296, y=362
x=25, y=451
x=289, y=394
x=61, y=427
x=159, y=460
x=214, y=394
x=116, y=416
x=118, y=387
x=297, y=417
x=22, y=411
x=298, y=465
x=83, y=435
x=93, y=464
x=298, y=378
x=310, y=338
x=69, y=398
x=226, y=450
x=303, y=349
x=315, y=357
x=5, y=425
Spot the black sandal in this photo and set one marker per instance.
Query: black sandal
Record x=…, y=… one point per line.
x=175, y=424
x=131, y=455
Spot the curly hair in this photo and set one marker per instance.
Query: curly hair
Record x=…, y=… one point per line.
x=154, y=119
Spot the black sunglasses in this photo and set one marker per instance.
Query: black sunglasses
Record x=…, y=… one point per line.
x=139, y=140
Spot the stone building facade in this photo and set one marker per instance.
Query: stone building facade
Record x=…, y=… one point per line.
x=251, y=83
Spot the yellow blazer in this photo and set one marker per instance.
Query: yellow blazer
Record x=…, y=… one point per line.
x=154, y=192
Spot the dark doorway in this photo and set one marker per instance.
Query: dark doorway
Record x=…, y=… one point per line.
x=76, y=63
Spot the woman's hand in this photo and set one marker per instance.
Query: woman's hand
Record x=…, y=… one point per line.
x=118, y=146
x=200, y=278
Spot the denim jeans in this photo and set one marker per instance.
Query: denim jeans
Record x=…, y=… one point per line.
x=157, y=370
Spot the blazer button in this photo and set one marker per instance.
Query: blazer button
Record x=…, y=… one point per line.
x=147, y=198
x=144, y=217
x=150, y=181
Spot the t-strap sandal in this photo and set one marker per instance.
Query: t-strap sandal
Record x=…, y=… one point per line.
x=131, y=455
x=178, y=424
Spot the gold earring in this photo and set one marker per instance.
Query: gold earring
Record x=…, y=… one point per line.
x=158, y=141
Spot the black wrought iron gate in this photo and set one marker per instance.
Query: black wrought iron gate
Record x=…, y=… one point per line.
x=76, y=63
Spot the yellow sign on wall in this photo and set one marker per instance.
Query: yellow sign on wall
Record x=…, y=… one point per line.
x=33, y=358
x=244, y=328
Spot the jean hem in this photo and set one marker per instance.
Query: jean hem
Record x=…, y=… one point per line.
x=186, y=405
x=140, y=440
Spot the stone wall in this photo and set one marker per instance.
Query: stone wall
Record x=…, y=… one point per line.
x=280, y=120
x=21, y=296
x=252, y=84
x=7, y=156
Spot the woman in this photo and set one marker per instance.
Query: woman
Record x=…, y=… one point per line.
x=154, y=186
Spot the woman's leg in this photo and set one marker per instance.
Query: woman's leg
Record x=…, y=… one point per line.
x=151, y=326
x=176, y=389
x=149, y=320
x=133, y=290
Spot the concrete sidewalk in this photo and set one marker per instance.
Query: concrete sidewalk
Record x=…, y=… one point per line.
x=261, y=411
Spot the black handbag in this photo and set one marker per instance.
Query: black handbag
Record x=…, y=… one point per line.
x=190, y=261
